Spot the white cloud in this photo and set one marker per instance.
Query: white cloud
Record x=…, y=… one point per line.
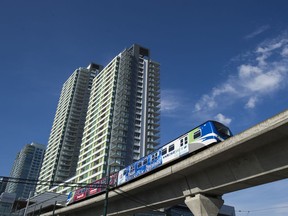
x=265, y=50
x=284, y=52
x=267, y=47
x=224, y=89
x=210, y=101
x=223, y=119
x=258, y=31
x=169, y=105
x=170, y=101
x=207, y=101
x=262, y=82
x=251, y=103
x=265, y=72
x=246, y=87
x=246, y=71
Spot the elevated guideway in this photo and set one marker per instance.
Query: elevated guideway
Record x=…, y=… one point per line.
x=256, y=156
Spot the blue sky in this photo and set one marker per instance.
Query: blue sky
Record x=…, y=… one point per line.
x=223, y=60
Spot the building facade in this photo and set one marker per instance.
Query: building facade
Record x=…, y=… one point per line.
x=62, y=152
x=27, y=167
x=122, y=123
x=3, y=184
x=6, y=203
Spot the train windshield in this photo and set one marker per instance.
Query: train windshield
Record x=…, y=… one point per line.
x=223, y=130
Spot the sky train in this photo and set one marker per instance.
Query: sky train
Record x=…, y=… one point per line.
x=208, y=133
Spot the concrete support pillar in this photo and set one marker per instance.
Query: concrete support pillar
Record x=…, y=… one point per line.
x=201, y=205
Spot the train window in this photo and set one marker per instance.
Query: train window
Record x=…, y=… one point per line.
x=197, y=134
x=164, y=151
x=186, y=140
x=171, y=147
x=145, y=161
x=222, y=130
x=154, y=157
x=139, y=164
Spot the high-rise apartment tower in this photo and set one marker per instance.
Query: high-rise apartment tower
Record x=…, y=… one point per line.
x=62, y=152
x=27, y=165
x=122, y=123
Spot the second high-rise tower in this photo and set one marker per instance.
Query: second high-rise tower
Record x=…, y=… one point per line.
x=122, y=123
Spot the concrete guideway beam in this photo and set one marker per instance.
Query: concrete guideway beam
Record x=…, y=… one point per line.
x=202, y=205
x=253, y=157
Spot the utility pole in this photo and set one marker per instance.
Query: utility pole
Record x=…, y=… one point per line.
x=107, y=190
x=27, y=204
x=54, y=207
x=107, y=181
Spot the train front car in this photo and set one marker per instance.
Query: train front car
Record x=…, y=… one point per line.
x=221, y=130
x=206, y=134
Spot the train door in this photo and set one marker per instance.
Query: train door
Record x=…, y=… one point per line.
x=183, y=149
